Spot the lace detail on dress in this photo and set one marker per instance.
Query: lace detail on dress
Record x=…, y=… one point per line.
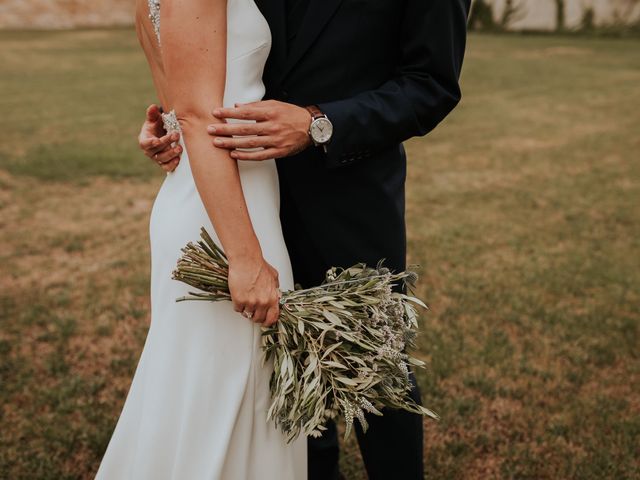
x=154, y=16
x=170, y=121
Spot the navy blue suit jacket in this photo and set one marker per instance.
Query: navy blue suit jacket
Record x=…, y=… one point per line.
x=383, y=71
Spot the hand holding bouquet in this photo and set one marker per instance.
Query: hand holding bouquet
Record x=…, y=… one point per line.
x=337, y=348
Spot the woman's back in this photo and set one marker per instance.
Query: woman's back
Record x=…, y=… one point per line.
x=248, y=45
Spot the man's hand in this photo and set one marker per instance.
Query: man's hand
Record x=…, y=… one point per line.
x=156, y=144
x=281, y=130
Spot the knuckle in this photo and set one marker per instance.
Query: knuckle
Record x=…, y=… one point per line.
x=241, y=300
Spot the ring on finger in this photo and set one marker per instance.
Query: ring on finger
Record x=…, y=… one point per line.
x=247, y=314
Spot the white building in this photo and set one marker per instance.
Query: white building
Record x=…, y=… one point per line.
x=536, y=14
x=541, y=14
x=17, y=14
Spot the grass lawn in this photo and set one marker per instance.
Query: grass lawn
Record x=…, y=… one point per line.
x=523, y=210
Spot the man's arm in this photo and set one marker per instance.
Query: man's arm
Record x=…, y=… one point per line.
x=421, y=94
x=418, y=98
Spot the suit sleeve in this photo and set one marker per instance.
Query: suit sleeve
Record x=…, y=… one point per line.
x=423, y=92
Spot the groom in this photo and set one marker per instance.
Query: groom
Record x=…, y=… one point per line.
x=347, y=82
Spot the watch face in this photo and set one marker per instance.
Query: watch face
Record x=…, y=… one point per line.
x=321, y=130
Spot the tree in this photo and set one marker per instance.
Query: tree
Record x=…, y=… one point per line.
x=626, y=8
x=481, y=17
x=588, y=23
x=513, y=11
x=560, y=15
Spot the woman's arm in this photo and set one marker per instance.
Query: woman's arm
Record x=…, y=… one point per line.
x=194, y=49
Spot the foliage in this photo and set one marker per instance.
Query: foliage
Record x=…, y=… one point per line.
x=588, y=24
x=514, y=10
x=338, y=347
x=482, y=16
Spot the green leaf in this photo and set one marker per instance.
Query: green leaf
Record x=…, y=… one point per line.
x=347, y=381
x=332, y=317
x=331, y=363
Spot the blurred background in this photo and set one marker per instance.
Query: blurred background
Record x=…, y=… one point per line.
x=523, y=210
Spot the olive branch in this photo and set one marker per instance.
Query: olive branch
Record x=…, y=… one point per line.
x=338, y=348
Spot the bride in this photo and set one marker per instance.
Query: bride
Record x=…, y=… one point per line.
x=198, y=402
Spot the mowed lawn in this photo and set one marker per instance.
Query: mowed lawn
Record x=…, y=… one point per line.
x=523, y=211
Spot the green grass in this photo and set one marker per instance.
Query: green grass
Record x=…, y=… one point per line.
x=523, y=210
x=74, y=100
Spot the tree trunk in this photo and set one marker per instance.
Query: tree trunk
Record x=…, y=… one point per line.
x=560, y=15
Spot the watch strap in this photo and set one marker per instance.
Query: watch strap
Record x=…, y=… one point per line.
x=315, y=112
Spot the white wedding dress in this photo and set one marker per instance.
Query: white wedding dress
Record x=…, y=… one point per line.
x=197, y=406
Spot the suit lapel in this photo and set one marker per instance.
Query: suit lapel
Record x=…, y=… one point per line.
x=274, y=12
x=317, y=16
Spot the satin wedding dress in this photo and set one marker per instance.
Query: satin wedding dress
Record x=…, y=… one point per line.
x=197, y=406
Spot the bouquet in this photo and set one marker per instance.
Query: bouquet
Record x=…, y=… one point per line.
x=339, y=348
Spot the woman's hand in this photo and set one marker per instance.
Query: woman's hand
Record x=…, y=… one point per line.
x=253, y=284
x=156, y=143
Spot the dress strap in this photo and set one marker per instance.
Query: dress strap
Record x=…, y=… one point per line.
x=154, y=16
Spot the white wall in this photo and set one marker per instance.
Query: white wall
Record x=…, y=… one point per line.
x=541, y=14
x=16, y=14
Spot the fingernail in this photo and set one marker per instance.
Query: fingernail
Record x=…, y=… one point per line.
x=217, y=112
x=175, y=137
x=218, y=141
x=234, y=155
x=211, y=129
x=178, y=149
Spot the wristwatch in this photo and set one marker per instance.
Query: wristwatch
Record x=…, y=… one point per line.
x=321, y=128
